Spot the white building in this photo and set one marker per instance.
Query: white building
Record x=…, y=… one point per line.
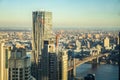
x=106, y=42
x=4, y=57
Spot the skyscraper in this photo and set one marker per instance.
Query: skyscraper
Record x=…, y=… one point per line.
x=78, y=44
x=19, y=65
x=106, y=42
x=4, y=56
x=42, y=28
x=63, y=65
x=117, y=40
x=49, y=61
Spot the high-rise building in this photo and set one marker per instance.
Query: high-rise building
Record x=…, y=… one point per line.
x=88, y=44
x=4, y=56
x=78, y=44
x=97, y=36
x=89, y=35
x=117, y=40
x=106, y=42
x=63, y=65
x=49, y=61
x=19, y=65
x=42, y=28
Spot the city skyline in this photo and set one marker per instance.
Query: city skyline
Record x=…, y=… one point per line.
x=69, y=14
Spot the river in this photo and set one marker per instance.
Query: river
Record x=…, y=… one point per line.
x=102, y=71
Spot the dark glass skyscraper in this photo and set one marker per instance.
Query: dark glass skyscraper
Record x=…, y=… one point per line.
x=49, y=61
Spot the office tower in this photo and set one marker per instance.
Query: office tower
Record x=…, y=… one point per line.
x=89, y=36
x=19, y=65
x=99, y=48
x=49, y=61
x=88, y=44
x=78, y=44
x=106, y=42
x=117, y=40
x=63, y=65
x=42, y=28
x=97, y=36
x=4, y=56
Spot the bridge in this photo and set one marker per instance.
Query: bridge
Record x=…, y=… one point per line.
x=77, y=62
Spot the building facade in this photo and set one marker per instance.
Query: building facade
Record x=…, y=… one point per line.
x=42, y=29
x=106, y=42
x=49, y=61
x=19, y=65
x=4, y=57
x=63, y=65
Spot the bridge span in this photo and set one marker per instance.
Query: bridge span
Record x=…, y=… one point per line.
x=76, y=62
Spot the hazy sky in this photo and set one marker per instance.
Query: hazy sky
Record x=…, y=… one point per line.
x=68, y=13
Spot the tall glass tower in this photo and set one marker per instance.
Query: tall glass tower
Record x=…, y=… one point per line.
x=42, y=29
